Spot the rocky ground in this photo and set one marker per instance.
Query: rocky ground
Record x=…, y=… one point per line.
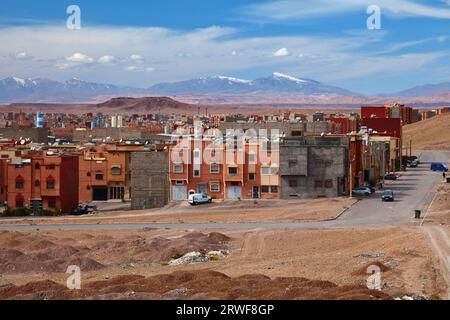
x=256, y=264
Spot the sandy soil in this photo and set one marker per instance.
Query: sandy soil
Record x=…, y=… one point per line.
x=431, y=134
x=329, y=264
x=439, y=211
x=228, y=211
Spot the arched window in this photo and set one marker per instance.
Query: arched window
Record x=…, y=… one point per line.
x=37, y=183
x=99, y=175
x=20, y=182
x=37, y=166
x=50, y=182
x=20, y=201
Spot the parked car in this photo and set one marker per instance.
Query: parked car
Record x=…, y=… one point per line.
x=388, y=195
x=199, y=198
x=390, y=176
x=84, y=209
x=372, y=189
x=439, y=166
x=414, y=164
x=362, y=191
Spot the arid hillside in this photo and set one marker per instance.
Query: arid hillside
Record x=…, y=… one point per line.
x=431, y=134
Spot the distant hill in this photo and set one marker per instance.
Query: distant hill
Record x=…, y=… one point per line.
x=423, y=90
x=146, y=104
x=430, y=134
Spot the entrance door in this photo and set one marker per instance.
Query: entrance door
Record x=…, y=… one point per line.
x=255, y=192
x=36, y=206
x=99, y=193
x=234, y=192
x=179, y=193
x=202, y=188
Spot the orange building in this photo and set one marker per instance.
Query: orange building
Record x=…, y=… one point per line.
x=222, y=172
x=44, y=182
x=93, y=185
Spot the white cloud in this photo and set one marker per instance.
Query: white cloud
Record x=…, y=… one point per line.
x=22, y=55
x=136, y=57
x=106, y=59
x=283, y=52
x=149, y=69
x=80, y=57
x=303, y=9
x=131, y=68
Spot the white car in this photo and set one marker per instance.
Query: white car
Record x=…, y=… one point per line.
x=198, y=198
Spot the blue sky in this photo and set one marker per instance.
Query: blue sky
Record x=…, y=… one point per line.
x=139, y=43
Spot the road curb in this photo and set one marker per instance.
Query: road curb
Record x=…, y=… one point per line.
x=342, y=212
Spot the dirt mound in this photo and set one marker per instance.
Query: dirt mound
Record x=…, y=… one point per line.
x=430, y=134
x=188, y=285
x=363, y=271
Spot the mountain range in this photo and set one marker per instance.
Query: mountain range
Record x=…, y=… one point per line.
x=40, y=90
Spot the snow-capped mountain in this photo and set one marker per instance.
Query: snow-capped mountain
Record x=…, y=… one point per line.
x=14, y=89
x=276, y=83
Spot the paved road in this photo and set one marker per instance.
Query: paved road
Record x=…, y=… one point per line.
x=414, y=190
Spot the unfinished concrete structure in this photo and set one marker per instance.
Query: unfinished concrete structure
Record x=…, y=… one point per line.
x=149, y=179
x=313, y=167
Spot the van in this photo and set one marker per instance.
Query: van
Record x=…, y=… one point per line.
x=439, y=166
x=198, y=198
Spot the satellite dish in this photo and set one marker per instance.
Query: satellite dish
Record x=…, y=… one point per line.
x=22, y=142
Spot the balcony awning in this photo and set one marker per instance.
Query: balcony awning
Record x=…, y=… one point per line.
x=20, y=197
x=50, y=179
x=20, y=179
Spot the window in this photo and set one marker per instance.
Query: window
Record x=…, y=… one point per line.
x=50, y=182
x=232, y=170
x=267, y=171
x=52, y=203
x=116, y=170
x=273, y=189
x=51, y=166
x=214, y=187
x=37, y=166
x=251, y=176
x=37, y=183
x=293, y=163
x=265, y=189
x=196, y=154
x=88, y=174
x=329, y=184
x=293, y=183
x=20, y=181
x=251, y=158
x=99, y=176
x=19, y=204
x=178, y=168
x=179, y=182
x=215, y=168
x=318, y=184
x=5, y=156
x=196, y=173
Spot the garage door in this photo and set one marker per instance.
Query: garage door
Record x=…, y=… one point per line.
x=179, y=193
x=234, y=192
x=100, y=194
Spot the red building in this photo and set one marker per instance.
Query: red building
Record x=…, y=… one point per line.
x=43, y=182
x=343, y=125
x=225, y=175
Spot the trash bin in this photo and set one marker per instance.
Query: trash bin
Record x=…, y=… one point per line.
x=417, y=213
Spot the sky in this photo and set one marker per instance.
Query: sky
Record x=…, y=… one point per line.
x=140, y=43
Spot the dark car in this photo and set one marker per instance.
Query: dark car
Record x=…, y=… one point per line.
x=390, y=176
x=388, y=195
x=84, y=209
